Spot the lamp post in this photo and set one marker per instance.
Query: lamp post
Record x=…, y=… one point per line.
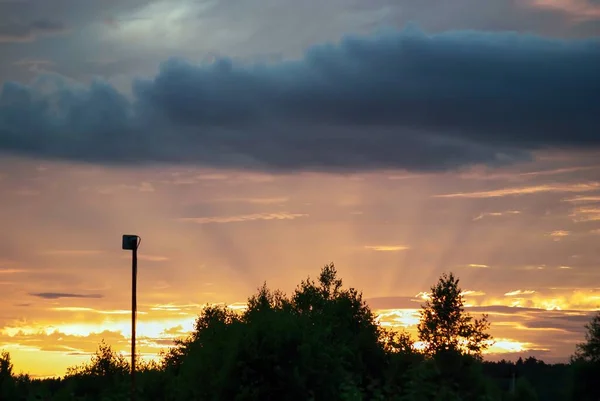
x=132, y=243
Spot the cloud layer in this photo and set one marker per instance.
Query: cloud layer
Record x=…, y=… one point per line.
x=26, y=32
x=393, y=100
x=58, y=295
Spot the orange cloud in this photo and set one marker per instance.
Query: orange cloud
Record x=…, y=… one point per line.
x=386, y=248
x=111, y=189
x=559, y=234
x=583, y=187
x=578, y=9
x=519, y=292
x=582, y=214
x=12, y=271
x=579, y=300
x=484, y=174
x=102, y=312
x=471, y=293
x=508, y=346
x=149, y=258
x=255, y=201
x=496, y=214
x=594, y=198
x=73, y=252
x=244, y=217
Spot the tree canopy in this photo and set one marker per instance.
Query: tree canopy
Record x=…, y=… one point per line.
x=590, y=349
x=586, y=362
x=321, y=342
x=445, y=326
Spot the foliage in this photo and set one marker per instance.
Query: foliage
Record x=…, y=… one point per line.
x=322, y=342
x=6, y=366
x=586, y=363
x=585, y=383
x=104, y=363
x=589, y=350
x=105, y=376
x=7, y=384
x=445, y=326
x=524, y=391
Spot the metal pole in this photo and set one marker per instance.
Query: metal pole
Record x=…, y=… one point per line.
x=132, y=243
x=133, y=315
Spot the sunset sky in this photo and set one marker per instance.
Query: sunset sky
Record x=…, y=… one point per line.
x=253, y=140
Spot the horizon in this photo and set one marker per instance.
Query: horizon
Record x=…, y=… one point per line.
x=403, y=319
x=250, y=141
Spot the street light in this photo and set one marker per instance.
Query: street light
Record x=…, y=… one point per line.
x=132, y=243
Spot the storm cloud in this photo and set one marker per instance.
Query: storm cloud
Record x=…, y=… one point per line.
x=392, y=100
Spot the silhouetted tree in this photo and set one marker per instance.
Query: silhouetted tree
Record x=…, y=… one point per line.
x=445, y=326
x=454, y=341
x=106, y=373
x=586, y=363
x=322, y=343
x=589, y=350
x=7, y=382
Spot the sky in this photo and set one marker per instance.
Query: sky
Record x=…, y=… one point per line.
x=258, y=140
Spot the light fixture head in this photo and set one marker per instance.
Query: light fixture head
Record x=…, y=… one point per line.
x=130, y=242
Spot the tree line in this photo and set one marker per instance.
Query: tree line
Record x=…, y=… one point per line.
x=323, y=342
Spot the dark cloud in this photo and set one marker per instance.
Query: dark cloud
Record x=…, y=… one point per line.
x=394, y=100
x=57, y=295
x=496, y=15
x=286, y=27
x=166, y=341
x=556, y=324
x=70, y=10
x=26, y=32
x=502, y=309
